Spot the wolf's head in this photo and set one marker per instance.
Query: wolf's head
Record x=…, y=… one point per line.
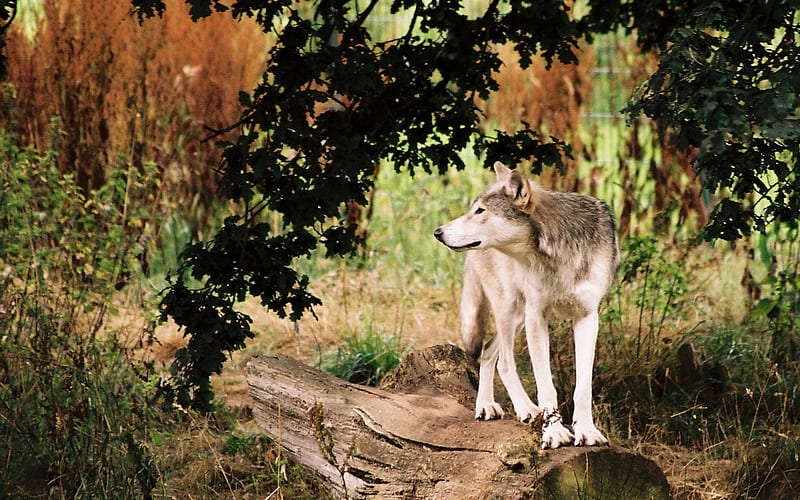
x=499, y=218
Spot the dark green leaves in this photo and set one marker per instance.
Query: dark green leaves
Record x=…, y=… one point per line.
x=728, y=83
x=522, y=145
x=729, y=221
x=148, y=8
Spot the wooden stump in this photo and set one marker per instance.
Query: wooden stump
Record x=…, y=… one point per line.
x=415, y=438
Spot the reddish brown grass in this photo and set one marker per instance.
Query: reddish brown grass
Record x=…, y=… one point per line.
x=131, y=92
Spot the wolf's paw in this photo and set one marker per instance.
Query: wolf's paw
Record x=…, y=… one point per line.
x=588, y=435
x=527, y=413
x=554, y=434
x=488, y=411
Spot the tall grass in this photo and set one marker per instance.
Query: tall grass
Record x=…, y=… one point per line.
x=80, y=415
x=144, y=92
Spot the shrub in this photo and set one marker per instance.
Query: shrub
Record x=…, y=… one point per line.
x=73, y=405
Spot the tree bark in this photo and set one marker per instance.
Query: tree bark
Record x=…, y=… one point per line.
x=415, y=438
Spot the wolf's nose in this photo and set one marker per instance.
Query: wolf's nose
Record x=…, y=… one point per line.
x=438, y=234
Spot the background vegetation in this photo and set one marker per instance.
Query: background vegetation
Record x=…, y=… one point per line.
x=105, y=177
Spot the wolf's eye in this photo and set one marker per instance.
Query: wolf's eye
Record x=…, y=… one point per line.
x=479, y=210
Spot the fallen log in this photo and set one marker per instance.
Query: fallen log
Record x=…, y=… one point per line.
x=415, y=437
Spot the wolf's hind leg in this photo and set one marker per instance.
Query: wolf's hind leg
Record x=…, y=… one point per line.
x=474, y=321
x=474, y=313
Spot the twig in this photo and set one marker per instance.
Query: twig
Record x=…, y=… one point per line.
x=219, y=132
x=364, y=14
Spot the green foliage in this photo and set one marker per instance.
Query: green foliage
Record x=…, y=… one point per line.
x=364, y=358
x=639, y=338
x=728, y=81
x=727, y=391
x=73, y=405
x=769, y=470
x=782, y=307
x=657, y=283
x=691, y=387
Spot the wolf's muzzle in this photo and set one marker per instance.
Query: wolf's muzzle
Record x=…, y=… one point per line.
x=439, y=235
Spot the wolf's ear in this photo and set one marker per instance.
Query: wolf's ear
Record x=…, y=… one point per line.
x=515, y=185
x=503, y=172
x=519, y=189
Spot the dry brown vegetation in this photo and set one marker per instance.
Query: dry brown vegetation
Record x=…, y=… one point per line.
x=131, y=93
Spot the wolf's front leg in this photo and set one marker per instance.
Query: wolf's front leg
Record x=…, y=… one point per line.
x=585, y=331
x=554, y=434
x=586, y=434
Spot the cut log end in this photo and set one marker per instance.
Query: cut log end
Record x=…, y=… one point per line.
x=600, y=473
x=415, y=437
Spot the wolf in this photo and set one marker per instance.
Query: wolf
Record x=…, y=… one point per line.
x=534, y=255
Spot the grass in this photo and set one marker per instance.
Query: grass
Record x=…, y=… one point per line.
x=224, y=456
x=363, y=358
